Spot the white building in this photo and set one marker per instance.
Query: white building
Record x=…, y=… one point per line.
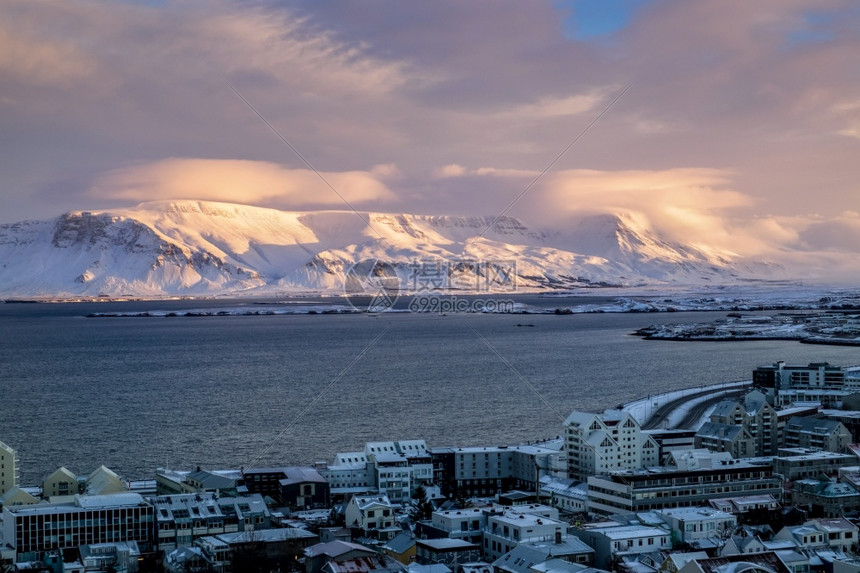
x=695, y=523
x=465, y=524
x=508, y=529
x=367, y=512
x=8, y=468
x=601, y=443
x=612, y=541
x=393, y=469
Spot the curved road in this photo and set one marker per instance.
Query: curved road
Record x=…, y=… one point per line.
x=656, y=421
x=696, y=412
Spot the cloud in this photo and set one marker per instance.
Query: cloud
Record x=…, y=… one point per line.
x=242, y=181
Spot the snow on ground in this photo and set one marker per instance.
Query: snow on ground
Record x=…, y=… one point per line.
x=644, y=408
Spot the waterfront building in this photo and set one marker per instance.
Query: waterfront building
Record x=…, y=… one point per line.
x=33, y=530
x=816, y=382
x=17, y=496
x=601, y=443
x=657, y=488
x=219, y=482
x=293, y=487
x=393, y=469
x=60, y=483
x=9, y=470
x=181, y=519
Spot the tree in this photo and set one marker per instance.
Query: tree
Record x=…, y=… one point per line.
x=422, y=509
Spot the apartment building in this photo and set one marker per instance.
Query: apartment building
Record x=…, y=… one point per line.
x=816, y=434
x=488, y=471
x=600, y=443
x=9, y=470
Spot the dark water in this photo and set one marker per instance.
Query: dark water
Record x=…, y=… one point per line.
x=138, y=393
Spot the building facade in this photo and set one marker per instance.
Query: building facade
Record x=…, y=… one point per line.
x=600, y=443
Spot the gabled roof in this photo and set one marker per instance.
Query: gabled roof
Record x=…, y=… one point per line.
x=722, y=432
x=17, y=496
x=400, y=543
x=62, y=473
x=336, y=548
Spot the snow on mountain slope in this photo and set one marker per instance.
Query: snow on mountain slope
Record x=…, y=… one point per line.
x=197, y=248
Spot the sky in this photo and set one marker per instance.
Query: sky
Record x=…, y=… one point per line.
x=731, y=123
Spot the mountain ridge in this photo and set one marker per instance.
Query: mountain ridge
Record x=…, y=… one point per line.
x=175, y=248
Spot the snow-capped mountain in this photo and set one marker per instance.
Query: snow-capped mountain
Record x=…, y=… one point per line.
x=203, y=248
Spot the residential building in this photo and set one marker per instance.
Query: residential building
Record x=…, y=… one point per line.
x=671, y=440
x=767, y=562
x=690, y=524
x=817, y=434
x=316, y=556
x=368, y=513
x=822, y=497
x=293, y=487
x=841, y=533
x=17, y=496
x=657, y=488
x=565, y=494
x=816, y=382
x=401, y=547
x=103, y=481
x=393, y=469
x=601, y=443
x=755, y=416
x=449, y=552
x=735, y=440
x=745, y=505
x=32, y=530
x=488, y=471
x=181, y=519
x=612, y=542
x=802, y=463
x=8, y=468
x=218, y=482
x=464, y=524
x=61, y=483
x=569, y=549
x=507, y=529
x=118, y=556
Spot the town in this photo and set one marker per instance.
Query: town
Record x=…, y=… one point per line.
x=763, y=476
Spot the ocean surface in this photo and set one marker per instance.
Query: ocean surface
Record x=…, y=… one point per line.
x=137, y=393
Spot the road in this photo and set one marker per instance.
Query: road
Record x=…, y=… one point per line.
x=666, y=409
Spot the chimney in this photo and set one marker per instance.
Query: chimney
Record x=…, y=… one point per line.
x=558, y=537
